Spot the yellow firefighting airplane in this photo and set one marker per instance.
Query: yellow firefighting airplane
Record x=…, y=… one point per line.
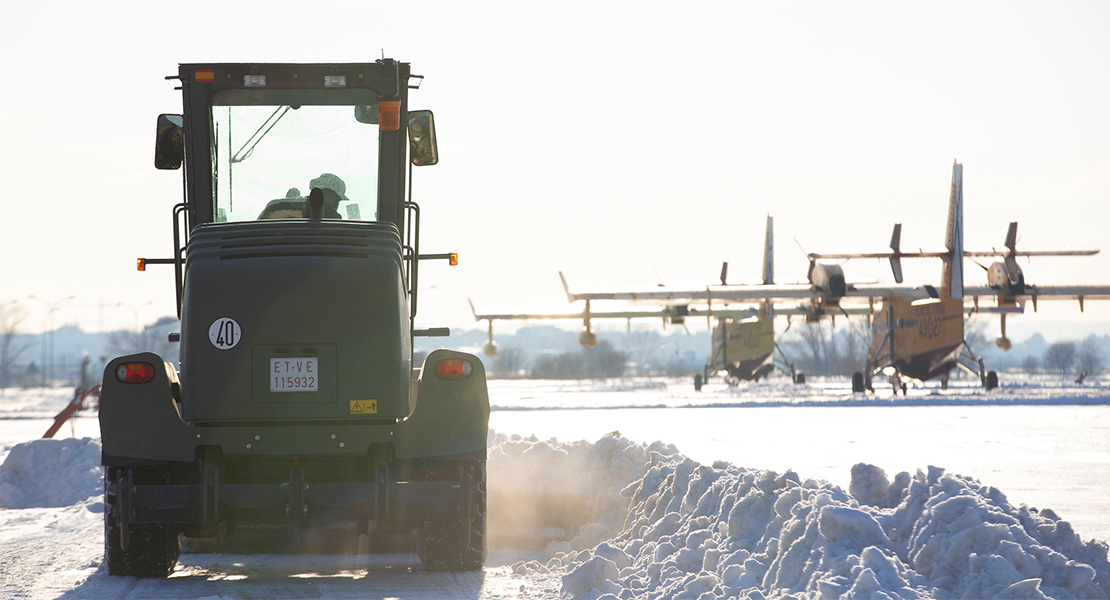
x=919, y=331
x=743, y=341
x=923, y=338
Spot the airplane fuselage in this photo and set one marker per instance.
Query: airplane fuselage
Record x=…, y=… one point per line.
x=744, y=348
x=921, y=339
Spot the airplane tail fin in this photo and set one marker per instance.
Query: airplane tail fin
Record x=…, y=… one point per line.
x=953, y=276
x=1012, y=268
x=1011, y=237
x=724, y=273
x=896, y=258
x=769, y=262
x=566, y=288
x=769, y=252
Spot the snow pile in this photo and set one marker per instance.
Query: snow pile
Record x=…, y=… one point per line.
x=721, y=531
x=50, y=473
x=523, y=473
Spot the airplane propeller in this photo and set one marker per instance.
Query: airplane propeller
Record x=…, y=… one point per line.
x=812, y=261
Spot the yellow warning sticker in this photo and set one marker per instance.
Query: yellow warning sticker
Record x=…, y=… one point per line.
x=364, y=407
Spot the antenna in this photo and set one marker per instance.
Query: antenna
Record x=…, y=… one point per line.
x=801, y=248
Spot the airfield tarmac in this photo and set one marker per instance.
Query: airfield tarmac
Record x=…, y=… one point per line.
x=1043, y=441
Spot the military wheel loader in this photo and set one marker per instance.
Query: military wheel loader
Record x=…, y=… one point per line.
x=296, y=403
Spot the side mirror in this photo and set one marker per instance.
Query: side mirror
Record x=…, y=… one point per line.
x=366, y=113
x=169, y=144
x=422, y=138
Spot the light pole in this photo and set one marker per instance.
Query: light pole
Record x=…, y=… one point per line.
x=48, y=323
x=135, y=310
x=8, y=325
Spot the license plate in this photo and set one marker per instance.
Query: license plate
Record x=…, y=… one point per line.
x=295, y=374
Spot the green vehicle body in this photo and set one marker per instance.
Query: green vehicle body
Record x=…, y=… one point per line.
x=297, y=402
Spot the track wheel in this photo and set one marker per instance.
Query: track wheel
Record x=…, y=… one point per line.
x=457, y=544
x=149, y=550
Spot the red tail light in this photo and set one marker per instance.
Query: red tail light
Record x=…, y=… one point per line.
x=135, y=372
x=454, y=368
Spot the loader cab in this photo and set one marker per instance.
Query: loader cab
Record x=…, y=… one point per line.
x=255, y=139
x=254, y=133
x=296, y=228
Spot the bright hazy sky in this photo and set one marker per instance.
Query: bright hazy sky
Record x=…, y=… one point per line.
x=622, y=142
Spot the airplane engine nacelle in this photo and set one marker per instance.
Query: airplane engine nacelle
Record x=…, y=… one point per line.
x=1009, y=277
x=587, y=338
x=490, y=348
x=996, y=275
x=829, y=278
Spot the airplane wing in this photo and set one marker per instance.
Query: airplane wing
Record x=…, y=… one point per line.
x=1005, y=252
x=749, y=293
x=667, y=312
x=1008, y=251
x=1048, y=292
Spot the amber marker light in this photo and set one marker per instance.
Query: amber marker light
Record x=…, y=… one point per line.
x=135, y=372
x=454, y=368
x=204, y=75
x=453, y=258
x=140, y=263
x=389, y=115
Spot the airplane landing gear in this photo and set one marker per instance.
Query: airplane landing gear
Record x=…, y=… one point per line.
x=857, y=382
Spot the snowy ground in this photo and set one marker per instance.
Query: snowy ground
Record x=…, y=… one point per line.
x=667, y=521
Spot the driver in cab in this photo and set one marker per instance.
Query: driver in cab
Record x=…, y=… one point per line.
x=295, y=206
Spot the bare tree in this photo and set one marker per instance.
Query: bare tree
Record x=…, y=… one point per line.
x=1060, y=357
x=600, y=363
x=824, y=350
x=566, y=365
x=509, y=363
x=604, y=362
x=975, y=336
x=1090, y=358
x=815, y=348
x=12, y=315
x=1031, y=364
x=149, y=340
x=643, y=347
x=857, y=344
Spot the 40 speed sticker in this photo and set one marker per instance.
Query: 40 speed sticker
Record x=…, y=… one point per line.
x=225, y=333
